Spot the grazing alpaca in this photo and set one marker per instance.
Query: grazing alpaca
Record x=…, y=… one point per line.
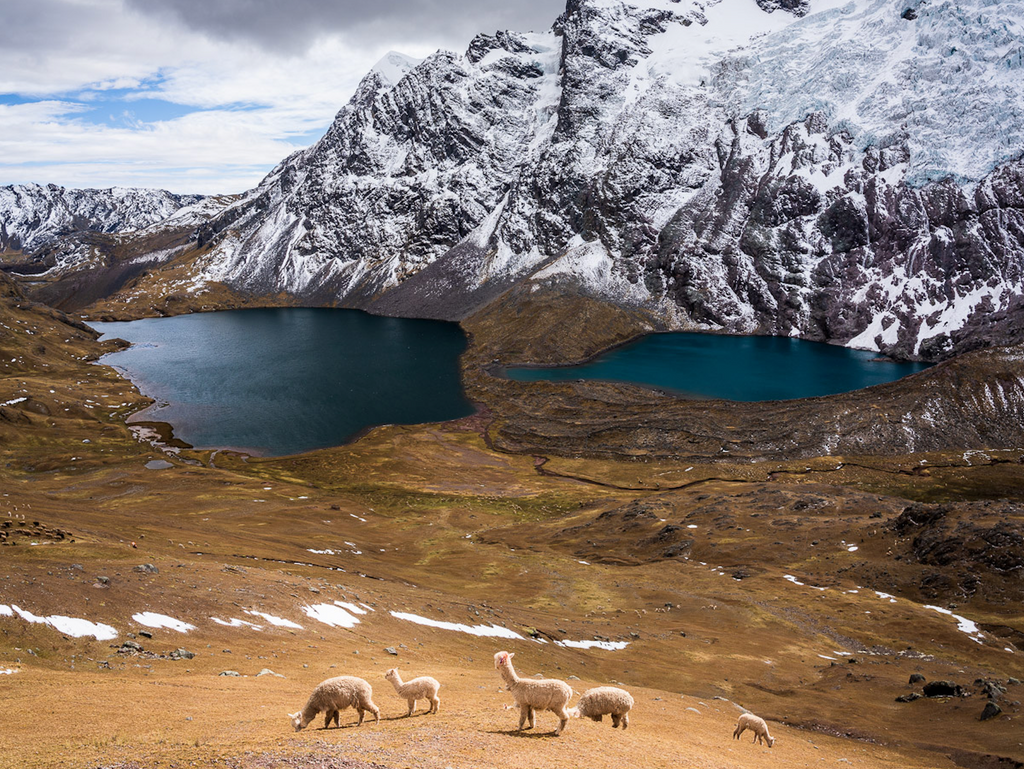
x=334, y=695
x=604, y=700
x=756, y=725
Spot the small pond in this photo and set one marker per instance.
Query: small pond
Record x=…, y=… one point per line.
x=739, y=368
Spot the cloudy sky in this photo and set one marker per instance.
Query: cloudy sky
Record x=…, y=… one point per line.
x=202, y=95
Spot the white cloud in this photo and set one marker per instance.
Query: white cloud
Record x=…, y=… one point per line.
x=81, y=65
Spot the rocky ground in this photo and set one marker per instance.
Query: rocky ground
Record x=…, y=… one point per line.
x=806, y=589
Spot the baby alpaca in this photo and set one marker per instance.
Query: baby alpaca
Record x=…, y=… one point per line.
x=334, y=695
x=604, y=700
x=756, y=725
x=534, y=694
x=422, y=688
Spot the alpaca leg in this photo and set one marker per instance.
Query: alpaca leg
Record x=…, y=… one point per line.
x=563, y=719
x=435, y=704
x=524, y=711
x=624, y=720
x=361, y=713
x=412, y=707
x=533, y=716
x=615, y=720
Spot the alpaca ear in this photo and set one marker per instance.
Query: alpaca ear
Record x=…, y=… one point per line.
x=511, y=655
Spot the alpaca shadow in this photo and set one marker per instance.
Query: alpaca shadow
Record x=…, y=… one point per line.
x=352, y=725
x=524, y=734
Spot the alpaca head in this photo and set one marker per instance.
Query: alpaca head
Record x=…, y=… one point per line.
x=297, y=721
x=771, y=741
x=503, y=659
x=392, y=674
x=573, y=712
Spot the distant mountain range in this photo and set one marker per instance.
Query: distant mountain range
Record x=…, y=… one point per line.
x=840, y=171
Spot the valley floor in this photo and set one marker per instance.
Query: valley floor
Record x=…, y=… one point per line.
x=805, y=591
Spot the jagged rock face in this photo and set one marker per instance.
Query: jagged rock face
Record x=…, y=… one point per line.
x=770, y=247
x=850, y=174
x=622, y=155
x=33, y=215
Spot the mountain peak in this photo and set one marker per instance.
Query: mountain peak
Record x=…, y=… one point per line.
x=393, y=66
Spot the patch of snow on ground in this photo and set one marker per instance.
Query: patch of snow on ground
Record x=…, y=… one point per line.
x=486, y=631
x=331, y=615
x=154, y=620
x=795, y=581
x=72, y=626
x=351, y=607
x=233, y=622
x=12, y=402
x=276, y=621
x=607, y=645
x=963, y=624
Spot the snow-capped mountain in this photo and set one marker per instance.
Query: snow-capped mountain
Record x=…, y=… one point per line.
x=32, y=214
x=845, y=170
x=836, y=170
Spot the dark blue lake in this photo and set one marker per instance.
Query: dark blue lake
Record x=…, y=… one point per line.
x=284, y=381
x=739, y=368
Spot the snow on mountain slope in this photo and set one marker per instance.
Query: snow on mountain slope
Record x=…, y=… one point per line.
x=788, y=168
x=842, y=170
x=33, y=214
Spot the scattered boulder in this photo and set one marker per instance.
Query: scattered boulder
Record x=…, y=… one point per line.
x=268, y=672
x=916, y=678
x=147, y=568
x=391, y=650
x=908, y=697
x=182, y=654
x=130, y=647
x=145, y=634
x=991, y=711
x=943, y=689
x=232, y=673
x=989, y=688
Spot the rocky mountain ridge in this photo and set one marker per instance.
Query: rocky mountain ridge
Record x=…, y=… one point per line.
x=33, y=215
x=783, y=168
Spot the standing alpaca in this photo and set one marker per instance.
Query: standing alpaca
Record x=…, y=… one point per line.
x=422, y=688
x=334, y=695
x=534, y=694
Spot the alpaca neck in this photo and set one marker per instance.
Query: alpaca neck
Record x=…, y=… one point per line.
x=396, y=681
x=508, y=674
x=308, y=714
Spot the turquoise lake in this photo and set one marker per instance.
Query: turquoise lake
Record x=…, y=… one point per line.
x=739, y=368
x=283, y=381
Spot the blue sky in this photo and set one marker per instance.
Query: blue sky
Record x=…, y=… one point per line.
x=202, y=96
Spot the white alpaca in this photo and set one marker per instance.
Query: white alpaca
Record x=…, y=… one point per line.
x=422, y=688
x=334, y=695
x=602, y=701
x=756, y=725
x=534, y=694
